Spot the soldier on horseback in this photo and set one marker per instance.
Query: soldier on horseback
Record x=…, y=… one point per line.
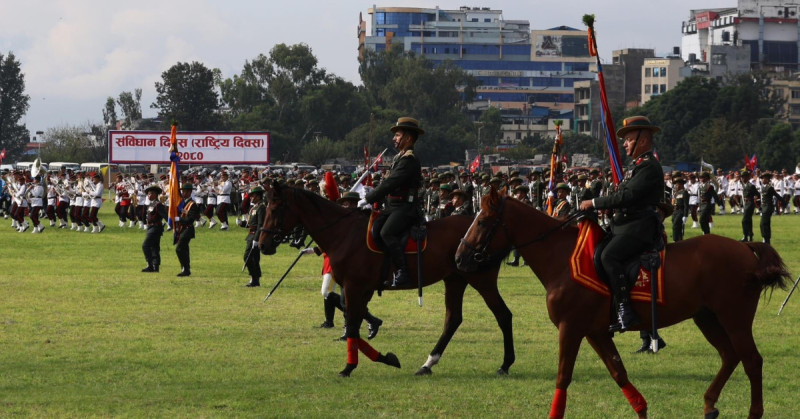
x=399, y=192
x=636, y=224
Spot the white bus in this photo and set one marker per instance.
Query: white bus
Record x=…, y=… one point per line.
x=59, y=165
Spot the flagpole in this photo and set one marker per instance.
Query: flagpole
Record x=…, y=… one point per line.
x=608, y=122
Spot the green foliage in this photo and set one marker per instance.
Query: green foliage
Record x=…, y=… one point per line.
x=492, y=126
x=719, y=141
x=779, y=148
x=14, y=104
x=74, y=144
x=130, y=104
x=317, y=152
x=186, y=94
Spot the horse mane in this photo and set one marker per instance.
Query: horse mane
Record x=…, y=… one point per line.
x=772, y=271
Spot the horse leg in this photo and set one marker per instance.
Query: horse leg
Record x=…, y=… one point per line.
x=356, y=306
x=717, y=337
x=739, y=326
x=453, y=302
x=568, y=346
x=491, y=295
x=607, y=351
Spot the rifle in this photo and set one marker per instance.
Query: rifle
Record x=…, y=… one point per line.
x=287, y=271
x=790, y=294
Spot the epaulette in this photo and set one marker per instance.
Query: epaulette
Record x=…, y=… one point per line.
x=408, y=153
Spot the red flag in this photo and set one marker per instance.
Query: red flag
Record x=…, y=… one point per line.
x=476, y=164
x=3, y=154
x=366, y=158
x=753, y=162
x=564, y=159
x=174, y=181
x=378, y=161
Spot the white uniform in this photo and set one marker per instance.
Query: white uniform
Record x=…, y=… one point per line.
x=96, y=194
x=37, y=193
x=224, y=192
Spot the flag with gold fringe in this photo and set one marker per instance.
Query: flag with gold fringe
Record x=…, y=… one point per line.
x=554, y=168
x=605, y=112
x=174, y=181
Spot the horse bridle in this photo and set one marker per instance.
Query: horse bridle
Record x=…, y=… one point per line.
x=479, y=255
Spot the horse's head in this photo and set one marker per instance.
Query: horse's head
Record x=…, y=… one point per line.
x=474, y=249
x=280, y=221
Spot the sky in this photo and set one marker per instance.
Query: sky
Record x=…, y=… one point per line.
x=76, y=53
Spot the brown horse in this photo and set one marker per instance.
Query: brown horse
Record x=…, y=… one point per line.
x=714, y=280
x=341, y=233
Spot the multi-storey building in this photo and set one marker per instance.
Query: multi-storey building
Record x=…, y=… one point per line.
x=770, y=28
x=527, y=71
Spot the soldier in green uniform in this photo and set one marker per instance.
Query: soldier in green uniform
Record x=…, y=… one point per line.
x=749, y=195
x=188, y=213
x=399, y=192
x=583, y=192
x=636, y=224
x=562, y=207
x=596, y=182
x=155, y=215
x=461, y=204
x=680, y=201
x=768, y=200
x=536, y=190
x=252, y=256
x=706, y=196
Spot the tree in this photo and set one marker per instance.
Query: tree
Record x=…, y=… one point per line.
x=776, y=150
x=491, y=127
x=110, y=113
x=719, y=142
x=131, y=106
x=13, y=106
x=186, y=95
x=74, y=143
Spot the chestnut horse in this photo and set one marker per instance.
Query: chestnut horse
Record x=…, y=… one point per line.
x=342, y=232
x=714, y=280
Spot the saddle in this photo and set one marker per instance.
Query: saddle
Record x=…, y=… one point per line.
x=586, y=269
x=410, y=237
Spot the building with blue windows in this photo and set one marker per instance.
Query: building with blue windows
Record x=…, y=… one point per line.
x=530, y=74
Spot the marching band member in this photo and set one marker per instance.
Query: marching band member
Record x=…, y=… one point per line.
x=21, y=204
x=95, y=202
x=223, y=200
x=211, y=203
x=52, y=200
x=75, y=203
x=141, y=201
x=122, y=200
x=62, y=208
x=37, y=193
x=83, y=183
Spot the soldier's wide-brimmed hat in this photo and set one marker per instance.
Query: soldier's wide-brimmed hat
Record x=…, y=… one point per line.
x=349, y=196
x=446, y=187
x=521, y=188
x=705, y=175
x=187, y=186
x=459, y=192
x=746, y=172
x=634, y=123
x=514, y=179
x=435, y=181
x=154, y=188
x=582, y=177
x=766, y=175
x=495, y=180
x=679, y=180
x=562, y=185
x=257, y=190
x=407, y=123
x=313, y=182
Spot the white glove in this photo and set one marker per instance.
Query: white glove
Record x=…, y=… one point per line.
x=551, y=194
x=307, y=251
x=363, y=203
x=684, y=220
x=255, y=244
x=176, y=219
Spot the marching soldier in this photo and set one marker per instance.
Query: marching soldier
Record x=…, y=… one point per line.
x=680, y=200
x=749, y=195
x=223, y=200
x=184, y=226
x=95, y=202
x=768, y=200
x=536, y=190
x=255, y=219
x=399, y=191
x=705, y=197
x=37, y=196
x=155, y=215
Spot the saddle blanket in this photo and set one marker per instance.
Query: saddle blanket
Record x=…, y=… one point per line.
x=411, y=245
x=583, y=271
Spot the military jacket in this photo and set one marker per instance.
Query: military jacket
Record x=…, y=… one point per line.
x=257, y=214
x=463, y=209
x=706, y=194
x=749, y=194
x=562, y=209
x=399, y=189
x=680, y=200
x=536, y=193
x=156, y=214
x=189, y=213
x=636, y=198
x=768, y=199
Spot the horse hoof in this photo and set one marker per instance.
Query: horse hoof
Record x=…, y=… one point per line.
x=423, y=370
x=347, y=370
x=502, y=371
x=713, y=414
x=390, y=359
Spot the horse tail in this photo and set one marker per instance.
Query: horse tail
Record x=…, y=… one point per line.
x=771, y=272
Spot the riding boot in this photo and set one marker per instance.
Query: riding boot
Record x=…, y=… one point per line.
x=343, y=338
x=400, y=277
x=330, y=309
x=645, y=335
x=626, y=316
x=185, y=271
x=373, y=324
x=254, y=282
x=149, y=268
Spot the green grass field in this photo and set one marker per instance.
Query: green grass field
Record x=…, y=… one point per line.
x=83, y=333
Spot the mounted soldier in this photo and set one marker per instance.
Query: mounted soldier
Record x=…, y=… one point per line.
x=636, y=224
x=399, y=192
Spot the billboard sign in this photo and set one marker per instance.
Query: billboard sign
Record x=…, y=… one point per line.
x=195, y=147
